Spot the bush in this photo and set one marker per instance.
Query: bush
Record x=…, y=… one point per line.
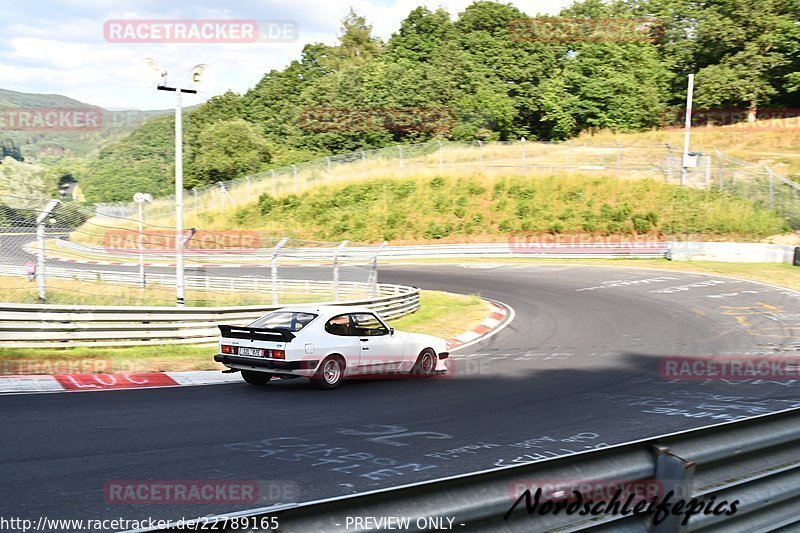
x=266, y=203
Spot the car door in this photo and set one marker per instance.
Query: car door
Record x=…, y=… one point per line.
x=342, y=340
x=381, y=350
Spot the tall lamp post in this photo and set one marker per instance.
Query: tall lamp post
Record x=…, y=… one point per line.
x=200, y=78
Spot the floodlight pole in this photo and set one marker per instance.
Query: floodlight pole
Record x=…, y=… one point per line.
x=687, y=128
x=180, y=296
x=141, y=247
x=41, y=220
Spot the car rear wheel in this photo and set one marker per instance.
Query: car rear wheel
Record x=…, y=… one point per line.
x=330, y=373
x=425, y=366
x=256, y=378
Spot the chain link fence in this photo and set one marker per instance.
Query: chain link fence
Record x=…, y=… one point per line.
x=710, y=169
x=133, y=262
x=241, y=267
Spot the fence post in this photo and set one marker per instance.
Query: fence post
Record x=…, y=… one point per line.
x=522, y=141
x=363, y=164
x=274, y=269
x=676, y=475
x=373, y=271
x=221, y=195
x=569, y=156
x=41, y=220
x=669, y=162
x=441, y=157
x=771, y=187
x=336, y=270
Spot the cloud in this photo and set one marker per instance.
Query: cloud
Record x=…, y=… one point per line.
x=62, y=50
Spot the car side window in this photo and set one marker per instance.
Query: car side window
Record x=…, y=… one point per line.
x=338, y=325
x=368, y=325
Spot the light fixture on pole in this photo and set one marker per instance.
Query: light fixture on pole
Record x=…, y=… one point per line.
x=688, y=160
x=201, y=78
x=141, y=198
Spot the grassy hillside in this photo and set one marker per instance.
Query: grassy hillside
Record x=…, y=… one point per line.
x=481, y=207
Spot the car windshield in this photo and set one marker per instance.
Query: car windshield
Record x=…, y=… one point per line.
x=291, y=320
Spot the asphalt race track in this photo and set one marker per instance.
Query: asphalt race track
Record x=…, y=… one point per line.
x=577, y=369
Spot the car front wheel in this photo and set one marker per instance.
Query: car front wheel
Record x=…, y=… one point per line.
x=256, y=378
x=330, y=373
x=425, y=366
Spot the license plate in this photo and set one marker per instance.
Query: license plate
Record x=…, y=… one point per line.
x=253, y=352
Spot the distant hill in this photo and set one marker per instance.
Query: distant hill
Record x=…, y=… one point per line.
x=48, y=147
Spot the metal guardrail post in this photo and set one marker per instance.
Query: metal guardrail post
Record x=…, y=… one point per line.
x=673, y=475
x=274, y=269
x=41, y=220
x=336, y=269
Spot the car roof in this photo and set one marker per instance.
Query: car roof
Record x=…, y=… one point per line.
x=327, y=310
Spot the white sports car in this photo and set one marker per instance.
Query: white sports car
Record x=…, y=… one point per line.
x=327, y=344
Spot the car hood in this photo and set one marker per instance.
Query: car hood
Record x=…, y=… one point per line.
x=423, y=340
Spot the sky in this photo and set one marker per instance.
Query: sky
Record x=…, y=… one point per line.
x=73, y=48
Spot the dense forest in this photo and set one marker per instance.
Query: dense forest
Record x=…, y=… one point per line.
x=492, y=72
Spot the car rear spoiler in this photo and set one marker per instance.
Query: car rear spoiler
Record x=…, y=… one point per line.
x=256, y=334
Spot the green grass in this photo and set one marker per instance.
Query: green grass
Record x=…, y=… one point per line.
x=479, y=207
x=441, y=314
x=73, y=292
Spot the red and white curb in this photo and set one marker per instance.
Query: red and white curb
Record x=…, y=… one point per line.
x=98, y=382
x=500, y=316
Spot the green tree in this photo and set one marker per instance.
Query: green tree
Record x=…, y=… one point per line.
x=228, y=150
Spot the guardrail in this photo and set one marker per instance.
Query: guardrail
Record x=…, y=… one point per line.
x=683, y=250
x=522, y=248
x=346, y=289
x=754, y=462
x=59, y=326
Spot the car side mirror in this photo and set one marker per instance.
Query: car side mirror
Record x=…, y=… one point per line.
x=391, y=331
